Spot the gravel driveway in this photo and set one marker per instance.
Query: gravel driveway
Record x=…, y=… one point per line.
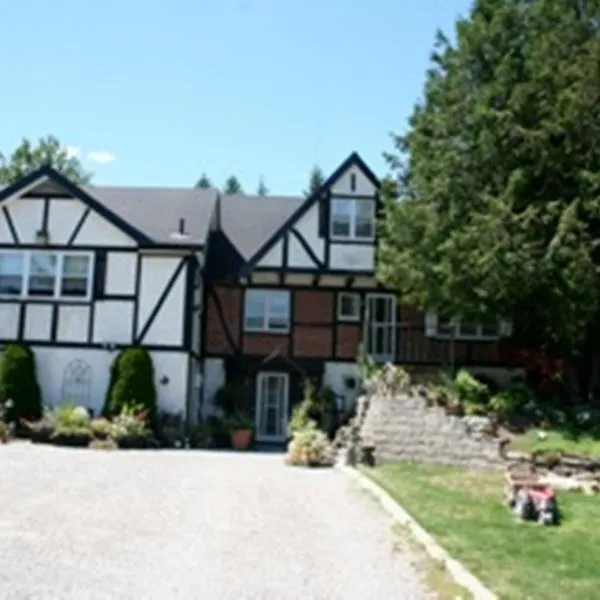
x=87, y=524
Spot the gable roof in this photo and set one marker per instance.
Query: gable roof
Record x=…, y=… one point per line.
x=148, y=215
x=47, y=172
x=157, y=211
x=249, y=220
x=353, y=160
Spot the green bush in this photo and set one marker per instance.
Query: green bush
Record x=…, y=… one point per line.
x=72, y=435
x=231, y=398
x=470, y=390
x=18, y=382
x=101, y=428
x=130, y=429
x=71, y=415
x=309, y=447
x=517, y=400
x=132, y=382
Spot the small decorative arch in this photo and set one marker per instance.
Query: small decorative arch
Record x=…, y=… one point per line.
x=77, y=383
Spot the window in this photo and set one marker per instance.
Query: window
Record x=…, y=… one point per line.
x=52, y=275
x=267, y=310
x=352, y=219
x=11, y=274
x=460, y=330
x=353, y=182
x=348, y=307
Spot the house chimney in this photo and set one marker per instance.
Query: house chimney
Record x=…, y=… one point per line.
x=182, y=226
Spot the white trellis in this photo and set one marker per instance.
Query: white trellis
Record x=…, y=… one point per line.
x=77, y=383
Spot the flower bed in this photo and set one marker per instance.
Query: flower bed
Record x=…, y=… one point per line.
x=71, y=425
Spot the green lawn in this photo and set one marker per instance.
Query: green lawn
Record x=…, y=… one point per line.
x=464, y=512
x=556, y=441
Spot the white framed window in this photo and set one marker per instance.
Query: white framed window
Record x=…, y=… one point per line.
x=352, y=219
x=45, y=274
x=267, y=311
x=348, y=306
x=12, y=272
x=455, y=328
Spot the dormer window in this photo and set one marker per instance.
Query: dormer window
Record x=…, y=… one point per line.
x=352, y=219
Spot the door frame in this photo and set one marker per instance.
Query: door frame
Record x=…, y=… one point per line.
x=392, y=325
x=260, y=377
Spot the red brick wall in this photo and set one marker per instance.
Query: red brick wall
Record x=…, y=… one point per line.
x=262, y=344
x=349, y=338
x=313, y=321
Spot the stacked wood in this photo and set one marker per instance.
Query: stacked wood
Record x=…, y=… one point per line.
x=561, y=470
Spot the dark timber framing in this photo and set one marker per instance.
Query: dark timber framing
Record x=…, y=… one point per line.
x=79, y=226
x=46, y=172
x=353, y=160
x=11, y=226
x=139, y=339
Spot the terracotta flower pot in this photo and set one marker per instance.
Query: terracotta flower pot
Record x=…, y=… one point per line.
x=241, y=439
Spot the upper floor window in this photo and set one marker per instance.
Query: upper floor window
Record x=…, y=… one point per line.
x=267, y=311
x=42, y=274
x=348, y=306
x=352, y=219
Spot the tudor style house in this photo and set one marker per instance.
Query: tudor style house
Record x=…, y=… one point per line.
x=265, y=290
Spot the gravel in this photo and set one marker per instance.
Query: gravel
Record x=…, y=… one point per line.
x=86, y=524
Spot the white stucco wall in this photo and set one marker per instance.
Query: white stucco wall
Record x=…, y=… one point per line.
x=52, y=365
x=214, y=378
x=167, y=328
x=121, y=268
x=363, y=186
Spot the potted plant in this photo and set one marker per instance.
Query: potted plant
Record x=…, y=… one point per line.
x=241, y=430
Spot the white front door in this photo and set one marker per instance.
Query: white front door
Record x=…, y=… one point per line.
x=272, y=406
x=380, y=327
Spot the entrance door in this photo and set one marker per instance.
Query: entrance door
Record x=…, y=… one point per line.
x=271, y=407
x=380, y=327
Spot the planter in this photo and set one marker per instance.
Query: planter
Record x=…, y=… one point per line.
x=241, y=439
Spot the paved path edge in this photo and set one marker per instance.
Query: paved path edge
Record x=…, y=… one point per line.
x=456, y=570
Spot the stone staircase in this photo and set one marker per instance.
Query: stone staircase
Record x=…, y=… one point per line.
x=403, y=427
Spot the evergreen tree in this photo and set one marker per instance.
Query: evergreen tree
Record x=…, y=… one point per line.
x=315, y=180
x=233, y=186
x=262, y=188
x=204, y=182
x=500, y=177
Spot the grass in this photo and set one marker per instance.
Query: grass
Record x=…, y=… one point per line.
x=557, y=441
x=464, y=512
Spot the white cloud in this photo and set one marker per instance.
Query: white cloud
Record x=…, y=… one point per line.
x=72, y=151
x=101, y=156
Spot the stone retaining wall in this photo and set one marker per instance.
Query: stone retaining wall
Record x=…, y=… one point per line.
x=401, y=425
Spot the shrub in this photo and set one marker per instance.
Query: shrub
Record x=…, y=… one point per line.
x=171, y=429
x=231, y=398
x=101, y=428
x=72, y=435
x=312, y=410
x=107, y=444
x=18, y=382
x=469, y=389
x=132, y=382
x=4, y=431
x=309, y=447
x=517, y=400
x=130, y=429
x=70, y=415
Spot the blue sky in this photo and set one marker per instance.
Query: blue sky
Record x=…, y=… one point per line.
x=162, y=91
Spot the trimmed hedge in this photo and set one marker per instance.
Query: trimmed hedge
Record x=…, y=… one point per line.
x=132, y=383
x=18, y=382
